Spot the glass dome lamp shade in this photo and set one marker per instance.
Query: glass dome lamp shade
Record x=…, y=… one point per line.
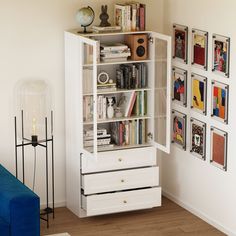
x=34, y=108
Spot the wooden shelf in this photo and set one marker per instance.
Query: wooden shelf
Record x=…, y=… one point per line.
x=118, y=120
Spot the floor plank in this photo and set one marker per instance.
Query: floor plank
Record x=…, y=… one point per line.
x=168, y=220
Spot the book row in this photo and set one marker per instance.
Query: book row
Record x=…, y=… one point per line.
x=130, y=16
x=122, y=105
x=129, y=132
x=132, y=76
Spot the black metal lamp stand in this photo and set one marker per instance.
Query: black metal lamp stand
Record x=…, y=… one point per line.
x=38, y=143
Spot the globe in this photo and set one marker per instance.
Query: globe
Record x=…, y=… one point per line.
x=85, y=17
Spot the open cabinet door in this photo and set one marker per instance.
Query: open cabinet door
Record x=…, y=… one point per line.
x=88, y=83
x=161, y=56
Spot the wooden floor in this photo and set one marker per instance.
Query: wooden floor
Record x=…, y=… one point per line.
x=168, y=220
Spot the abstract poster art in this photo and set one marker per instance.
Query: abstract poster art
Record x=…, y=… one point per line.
x=179, y=86
x=219, y=148
x=179, y=129
x=199, y=48
x=220, y=93
x=198, y=138
x=180, y=44
x=220, y=57
x=199, y=93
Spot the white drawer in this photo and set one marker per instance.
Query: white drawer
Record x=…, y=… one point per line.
x=120, y=180
x=121, y=201
x=122, y=159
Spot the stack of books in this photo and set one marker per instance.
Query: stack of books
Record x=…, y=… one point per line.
x=114, y=52
x=130, y=16
x=99, y=29
x=131, y=76
x=129, y=132
x=103, y=138
x=108, y=86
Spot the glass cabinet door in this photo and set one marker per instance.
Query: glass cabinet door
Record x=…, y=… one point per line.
x=161, y=55
x=88, y=82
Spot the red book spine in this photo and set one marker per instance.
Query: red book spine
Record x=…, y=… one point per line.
x=132, y=105
x=142, y=17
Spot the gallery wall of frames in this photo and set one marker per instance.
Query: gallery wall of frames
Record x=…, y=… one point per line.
x=199, y=42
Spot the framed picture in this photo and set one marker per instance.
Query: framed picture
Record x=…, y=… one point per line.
x=221, y=55
x=179, y=129
x=199, y=93
x=199, y=48
x=179, y=86
x=180, y=43
x=198, y=138
x=219, y=148
x=220, y=94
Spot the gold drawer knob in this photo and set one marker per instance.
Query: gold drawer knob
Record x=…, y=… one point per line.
x=122, y=181
x=125, y=201
x=120, y=159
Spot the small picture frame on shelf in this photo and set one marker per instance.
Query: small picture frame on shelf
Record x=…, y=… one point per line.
x=199, y=93
x=198, y=138
x=221, y=55
x=179, y=129
x=219, y=139
x=179, y=86
x=219, y=101
x=199, y=48
x=180, y=43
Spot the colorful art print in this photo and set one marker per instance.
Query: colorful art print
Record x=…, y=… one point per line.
x=180, y=42
x=198, y=138
x=219, y=148
x=220, y=101
x=199, y=48
x=198, y=98
x=179, y=79
x=221, y=47
x=179, y=129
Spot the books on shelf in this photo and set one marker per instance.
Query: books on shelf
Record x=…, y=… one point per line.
x=130, y=16
x=129, y=132
x=134, y=104
x=131, y=76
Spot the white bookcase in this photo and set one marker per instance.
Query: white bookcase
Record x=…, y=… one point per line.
x=114, y=178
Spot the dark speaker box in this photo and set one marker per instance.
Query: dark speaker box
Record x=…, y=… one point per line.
x=138, y=44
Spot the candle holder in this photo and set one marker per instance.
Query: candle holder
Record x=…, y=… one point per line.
x=36, y=130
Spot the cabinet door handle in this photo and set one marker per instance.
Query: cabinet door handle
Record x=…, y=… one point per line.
x=120, y=159
x=124, y=201
x=122, y=181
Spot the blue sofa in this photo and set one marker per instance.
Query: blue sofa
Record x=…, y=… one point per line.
x=19, y=207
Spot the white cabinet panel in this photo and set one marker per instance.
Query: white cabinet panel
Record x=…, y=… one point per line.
x=122, y=159
x=120, y=180
x=121, y=201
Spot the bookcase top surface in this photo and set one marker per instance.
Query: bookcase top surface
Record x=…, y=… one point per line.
x=76, y=32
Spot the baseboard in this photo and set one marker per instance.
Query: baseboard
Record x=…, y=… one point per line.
x=57, y=204
x=198, y=213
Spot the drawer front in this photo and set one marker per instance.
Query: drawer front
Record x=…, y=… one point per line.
x=120, y=180
x=122, y=159
x=121, y=201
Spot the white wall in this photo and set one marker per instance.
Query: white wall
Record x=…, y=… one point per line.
x=31, y=46
x=196, y=184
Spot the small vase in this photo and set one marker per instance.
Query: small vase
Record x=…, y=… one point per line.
x=110, y=109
